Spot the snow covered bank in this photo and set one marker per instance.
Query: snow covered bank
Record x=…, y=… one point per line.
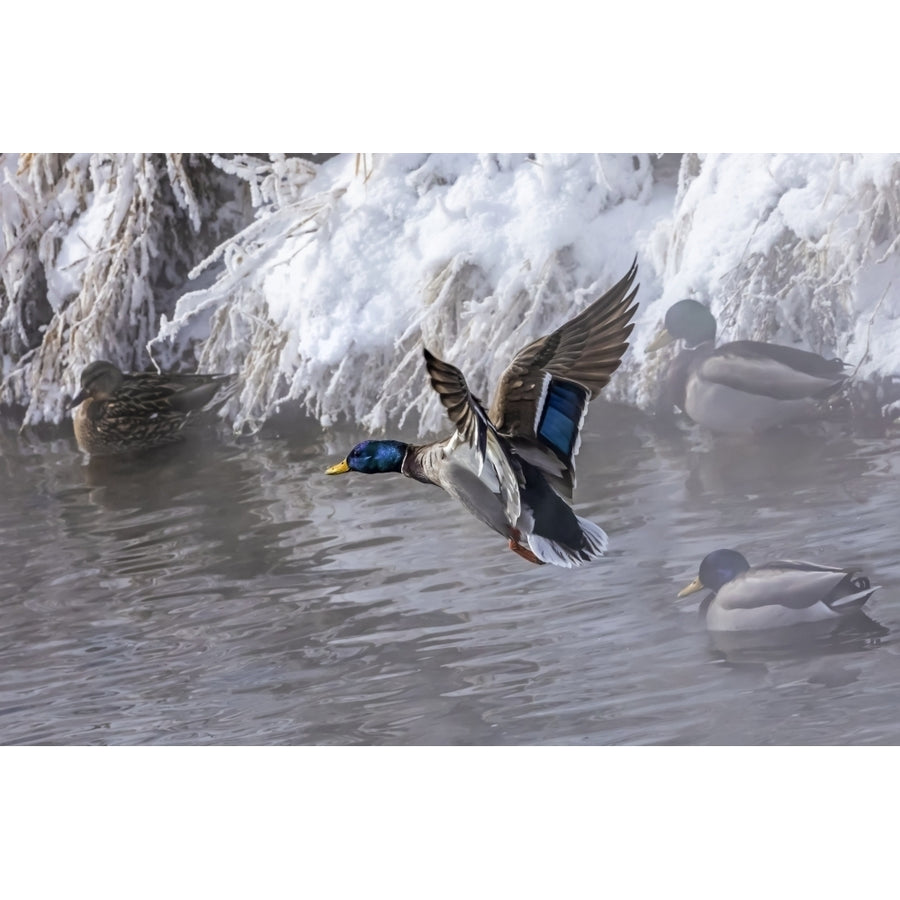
x=326, y=299
x=795, y=249
x=323, y=295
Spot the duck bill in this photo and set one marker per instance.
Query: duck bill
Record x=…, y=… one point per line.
x=692, y=588
x=338, y=468
x=663, y=339
x=80, y=397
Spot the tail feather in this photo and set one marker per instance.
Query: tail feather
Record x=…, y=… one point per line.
x=594, y=542
x=855, y=600
x=553, y=531
x=197, y=396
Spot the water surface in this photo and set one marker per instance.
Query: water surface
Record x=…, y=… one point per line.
x=226, y=591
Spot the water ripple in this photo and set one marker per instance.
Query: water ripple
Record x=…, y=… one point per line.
x=231, y=593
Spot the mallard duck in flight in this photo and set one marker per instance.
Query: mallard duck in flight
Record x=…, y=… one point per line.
x=774, y=594
x=116, y=412
x=741, y=387
x=529, y=438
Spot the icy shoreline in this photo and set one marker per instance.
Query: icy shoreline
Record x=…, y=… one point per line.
x=319, y=284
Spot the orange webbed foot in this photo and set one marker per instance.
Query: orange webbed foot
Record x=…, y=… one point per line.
x=524, y=552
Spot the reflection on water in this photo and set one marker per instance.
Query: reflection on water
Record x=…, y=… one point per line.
x=227, y=591
x=846, y=635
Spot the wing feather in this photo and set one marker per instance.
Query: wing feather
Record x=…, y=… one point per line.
x=586, y=350
x=782, y=583
x=543, y=394
x=473, y=426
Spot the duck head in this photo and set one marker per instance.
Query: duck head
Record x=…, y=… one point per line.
x=99, y=380
x=717, y=569
x=372, y=458
x=686, y=320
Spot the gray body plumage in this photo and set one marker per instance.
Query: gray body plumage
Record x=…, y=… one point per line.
x=734, y=390
x=454, y=468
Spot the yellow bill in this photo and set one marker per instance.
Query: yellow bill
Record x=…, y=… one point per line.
x=338, y=468
x=660, y=341
x=692, y=588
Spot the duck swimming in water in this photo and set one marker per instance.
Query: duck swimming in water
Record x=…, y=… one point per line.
x=774, y=594
x=742, y=387
x=116, y=412
x=529, y=438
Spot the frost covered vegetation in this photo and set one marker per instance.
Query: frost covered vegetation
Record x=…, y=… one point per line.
x=319, y=283
x=94, y=248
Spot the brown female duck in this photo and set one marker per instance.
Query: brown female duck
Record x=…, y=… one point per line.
x=116, y=412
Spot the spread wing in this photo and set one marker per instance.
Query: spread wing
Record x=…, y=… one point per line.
x=473, y=427
x=543, y=395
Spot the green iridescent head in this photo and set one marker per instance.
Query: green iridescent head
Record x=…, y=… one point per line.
x=372, y=458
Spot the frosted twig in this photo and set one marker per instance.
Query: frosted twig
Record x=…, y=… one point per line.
x=865, y=352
